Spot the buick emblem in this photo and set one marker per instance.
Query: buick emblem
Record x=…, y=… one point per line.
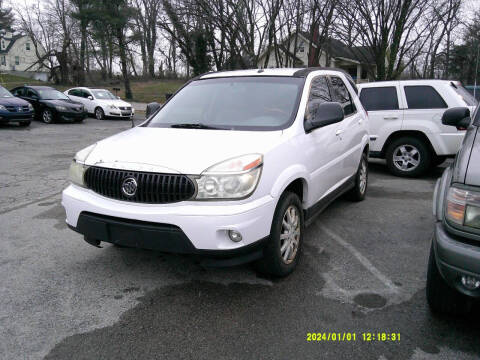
x=129, y=187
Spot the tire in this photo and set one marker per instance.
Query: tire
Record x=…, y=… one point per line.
x=441, y=297
x=99, y=113
x=408, y=157
x=361, y=181
x=47, y=116
x=275, y=261
x=24, y=123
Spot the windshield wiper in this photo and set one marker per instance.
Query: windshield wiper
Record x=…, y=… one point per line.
x=195, y=126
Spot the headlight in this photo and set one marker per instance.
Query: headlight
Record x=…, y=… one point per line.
x=75, y=174
x=60, y=108
x=30, y=107
x=235, y=178
x=3, y=108
x=113, y=107
x=463, y=207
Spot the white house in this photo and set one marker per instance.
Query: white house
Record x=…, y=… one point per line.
x=18, y=56
x=355, y=60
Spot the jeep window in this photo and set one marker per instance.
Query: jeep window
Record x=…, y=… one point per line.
x=4, y=93
x=379, y=98
x=319, y=94
x=234, y=103
x=51, y=94
x=466, y=96
x=341, y=95
x=424, y=97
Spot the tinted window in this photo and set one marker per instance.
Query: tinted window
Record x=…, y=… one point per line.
x=340, y=94
x=74, y=92
x=423, y=97
x=235, y=103
x=319, y=94
x=18, y=91
x=85, y=94
x=30, y=93
x=379, y=98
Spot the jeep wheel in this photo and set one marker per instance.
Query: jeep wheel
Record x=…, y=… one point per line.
x=283, y=249
x=361, y=181
x=440, y=296
x=408, y=156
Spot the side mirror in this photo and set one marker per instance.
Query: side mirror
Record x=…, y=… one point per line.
x=151, y=108
x=458, y=117
x=90, y=97
x=327, y=113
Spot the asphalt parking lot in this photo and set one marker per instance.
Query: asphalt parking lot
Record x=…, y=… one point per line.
x=363, y=271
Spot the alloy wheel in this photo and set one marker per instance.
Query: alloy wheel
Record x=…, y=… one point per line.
x=290, y=234
x=406, y=157
x=363, y=176
x=47, y=116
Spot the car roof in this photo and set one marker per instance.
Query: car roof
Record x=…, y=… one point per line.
x=288, y=72
x=407, y=82
x=86, y=88
x=38, y=87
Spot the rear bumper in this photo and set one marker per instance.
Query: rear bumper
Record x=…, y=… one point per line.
x=455, y=258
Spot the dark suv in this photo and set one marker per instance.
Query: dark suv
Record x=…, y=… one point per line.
x=453, y=278
x=13, y=109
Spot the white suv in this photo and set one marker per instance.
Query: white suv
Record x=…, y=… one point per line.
x=232, y=166
x=101, y=103
x=405, y=120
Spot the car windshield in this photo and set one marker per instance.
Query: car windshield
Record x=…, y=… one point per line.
x=233, y=103
x=4, y=93
x=466, y=96
x=103, y=95
x=51, y=94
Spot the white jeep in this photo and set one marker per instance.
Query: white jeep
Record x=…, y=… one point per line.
x=405, y=120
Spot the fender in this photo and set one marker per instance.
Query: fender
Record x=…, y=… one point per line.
x=440, y=192
x=289, y=175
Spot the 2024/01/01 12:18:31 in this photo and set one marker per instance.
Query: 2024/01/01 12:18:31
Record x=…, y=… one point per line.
x=352, y=336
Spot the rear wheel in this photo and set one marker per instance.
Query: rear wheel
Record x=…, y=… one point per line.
x=408, y=157
x=99, y=114
x=361, y=181
x=47, y=116
x=282, y=252
x=440, y=296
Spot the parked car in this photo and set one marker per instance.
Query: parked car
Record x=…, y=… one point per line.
x=405, y=122
x=13, y=109
x=453, y=278
x=50, y=104
x=101, y=103
x=232, y=166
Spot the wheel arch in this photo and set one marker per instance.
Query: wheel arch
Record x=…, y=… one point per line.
x=410, y=133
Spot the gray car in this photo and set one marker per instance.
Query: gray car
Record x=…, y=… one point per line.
x=453, y=279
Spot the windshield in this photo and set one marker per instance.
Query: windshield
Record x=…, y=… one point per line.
x=4, y=93
x=103, y=94
x=51, y=94
x=234, y=103
x=466, y=96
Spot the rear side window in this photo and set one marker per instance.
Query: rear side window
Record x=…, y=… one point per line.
x=85, y=94
x=18, y=92
x=379, y=98
x=466, y=96
x=424, y=97
x=74, y=92
x=30, y=93
x=340, y=94
x=319, y=94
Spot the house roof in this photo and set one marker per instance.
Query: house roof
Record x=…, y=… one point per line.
x=10, y=44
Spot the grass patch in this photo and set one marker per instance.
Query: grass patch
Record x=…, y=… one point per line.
x=143, y=90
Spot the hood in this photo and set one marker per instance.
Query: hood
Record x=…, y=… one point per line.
x=14, y=101
x=186, y=151
x=116, y=102
x=63, y=102
x=473, y=171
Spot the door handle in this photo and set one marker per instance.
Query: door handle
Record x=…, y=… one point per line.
x=339, y=132
x=390, y=117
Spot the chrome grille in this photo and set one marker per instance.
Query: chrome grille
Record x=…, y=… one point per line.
x=152, y=188
x=12, y=108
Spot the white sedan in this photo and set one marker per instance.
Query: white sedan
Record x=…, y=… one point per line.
x=101, y=103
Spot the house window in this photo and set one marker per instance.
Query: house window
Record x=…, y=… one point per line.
x=4, y=62
x=301, y=49
x=17, y=60
x=27, y=46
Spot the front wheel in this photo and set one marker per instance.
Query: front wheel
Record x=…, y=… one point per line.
x=408, y=157
x=99, y=114
x=47, y=116
x=282, y=251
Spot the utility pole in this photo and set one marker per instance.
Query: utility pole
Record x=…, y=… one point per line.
x=476, y=72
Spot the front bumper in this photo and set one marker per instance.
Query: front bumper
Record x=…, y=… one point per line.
x=120, y=113
x=72, y=116
x=456, y=257
x=204, y=224
x=6, y=117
